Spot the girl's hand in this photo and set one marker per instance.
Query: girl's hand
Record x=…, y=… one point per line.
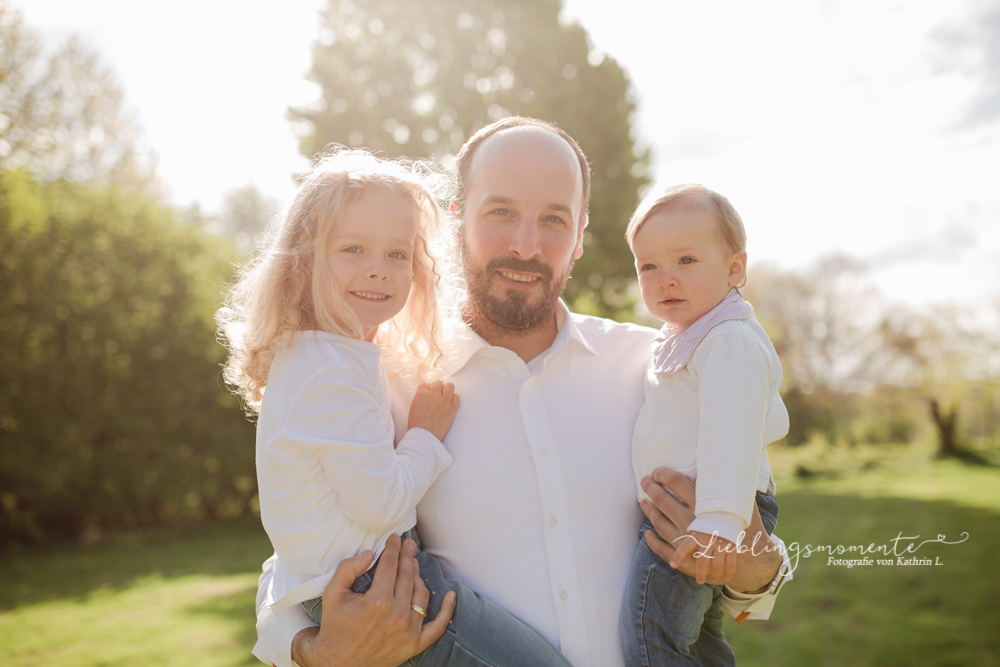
x=433, y=408
x=715, y=557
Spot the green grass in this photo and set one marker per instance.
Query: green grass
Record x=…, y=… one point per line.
x=165, y=598
x=186, y=597
x=883, y=615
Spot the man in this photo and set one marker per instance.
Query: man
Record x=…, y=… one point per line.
x=538, y=511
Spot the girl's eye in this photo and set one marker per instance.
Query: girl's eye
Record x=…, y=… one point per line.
x=352, y=248
x=397, y=254
x=687, y=260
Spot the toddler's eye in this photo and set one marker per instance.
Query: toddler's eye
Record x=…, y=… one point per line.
x=647, y=267
x=687, y=260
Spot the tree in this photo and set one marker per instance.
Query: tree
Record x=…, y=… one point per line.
x=419, y=78
x=951, y=362
x=245, y=214
x=112, y=408
x=859, y=368
x=64, y=116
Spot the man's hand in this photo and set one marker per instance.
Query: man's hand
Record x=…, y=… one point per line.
x=377, y=628
x=715, y=557
x=756, y=565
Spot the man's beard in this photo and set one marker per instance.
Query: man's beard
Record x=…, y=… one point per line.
x=514, y=312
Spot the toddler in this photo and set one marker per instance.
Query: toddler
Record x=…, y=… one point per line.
x=347, y=277
x=711, y=409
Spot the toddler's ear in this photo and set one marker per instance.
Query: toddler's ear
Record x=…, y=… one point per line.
x=738, y=268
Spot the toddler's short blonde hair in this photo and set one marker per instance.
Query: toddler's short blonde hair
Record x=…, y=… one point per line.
x=731, y=229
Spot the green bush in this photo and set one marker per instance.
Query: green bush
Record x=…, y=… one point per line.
x=112, y=408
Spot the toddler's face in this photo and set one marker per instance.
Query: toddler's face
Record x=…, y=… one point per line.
x=371, y=256
x=684, y=266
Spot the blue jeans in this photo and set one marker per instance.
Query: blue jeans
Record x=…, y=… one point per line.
x=668, y=618
x=481, y=633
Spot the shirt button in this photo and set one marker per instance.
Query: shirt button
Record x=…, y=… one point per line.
x=553, y=522
x=527, y=390
x=564, y=595
x=542, y=452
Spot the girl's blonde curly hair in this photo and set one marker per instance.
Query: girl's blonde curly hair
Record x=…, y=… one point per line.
x=288, y=286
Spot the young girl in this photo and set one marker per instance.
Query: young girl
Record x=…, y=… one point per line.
x=712, y=407
x=348, y=276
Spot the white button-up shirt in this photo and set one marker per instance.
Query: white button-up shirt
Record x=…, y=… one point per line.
x=712, y=420
x=538, y=511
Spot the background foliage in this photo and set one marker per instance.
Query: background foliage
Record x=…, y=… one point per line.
x=63, y=115
x=419, y=78
x=111, y=410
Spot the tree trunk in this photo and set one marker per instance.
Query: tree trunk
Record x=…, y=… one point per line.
x=946, y=425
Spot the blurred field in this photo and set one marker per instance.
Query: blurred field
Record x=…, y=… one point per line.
x=186, y=597
x=165, y=598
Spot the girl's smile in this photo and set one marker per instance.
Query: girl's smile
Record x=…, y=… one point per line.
x=371, y=256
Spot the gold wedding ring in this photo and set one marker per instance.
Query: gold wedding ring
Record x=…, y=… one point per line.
x=420, y=610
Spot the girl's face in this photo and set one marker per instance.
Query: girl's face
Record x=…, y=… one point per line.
x=371, y=256
x=684, y=266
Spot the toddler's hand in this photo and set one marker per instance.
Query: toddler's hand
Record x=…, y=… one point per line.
x=716, y=557
x=433, y=408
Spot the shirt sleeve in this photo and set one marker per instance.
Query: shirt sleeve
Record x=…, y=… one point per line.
x=732, y=395
x=339, y=420
x=276, y=626
x=757, y=607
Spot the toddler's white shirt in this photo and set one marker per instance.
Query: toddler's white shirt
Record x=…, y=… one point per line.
x=331, y=484
x=712, y=420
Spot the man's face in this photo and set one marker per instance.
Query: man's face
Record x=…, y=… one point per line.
x=522, y=229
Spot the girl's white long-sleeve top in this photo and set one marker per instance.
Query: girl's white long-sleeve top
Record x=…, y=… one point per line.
x=331, y=484
x=713, y=420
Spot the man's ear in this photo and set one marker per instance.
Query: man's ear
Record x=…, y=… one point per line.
x=578, y=253
x=738, y=268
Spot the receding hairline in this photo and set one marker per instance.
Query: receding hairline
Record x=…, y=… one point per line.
x=466, y=158
x=526, y=132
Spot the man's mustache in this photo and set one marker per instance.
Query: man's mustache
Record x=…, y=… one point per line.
x=535, y=266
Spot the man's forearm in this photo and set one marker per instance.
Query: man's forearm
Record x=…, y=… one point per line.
x=301, y=644
x=756, y=568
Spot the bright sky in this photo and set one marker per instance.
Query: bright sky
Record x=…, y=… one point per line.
x=871, y=129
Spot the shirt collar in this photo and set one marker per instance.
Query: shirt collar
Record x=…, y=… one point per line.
x=468, y=342
x=565, y=322
x=672, y=348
